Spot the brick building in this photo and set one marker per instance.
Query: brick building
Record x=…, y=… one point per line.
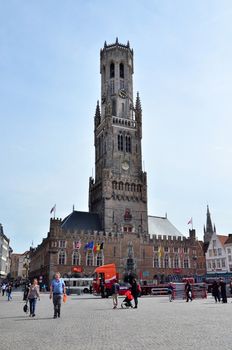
x=117, y=227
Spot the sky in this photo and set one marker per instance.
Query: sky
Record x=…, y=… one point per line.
x=49, y=86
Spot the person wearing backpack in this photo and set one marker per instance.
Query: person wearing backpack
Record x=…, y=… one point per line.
x=115, y=292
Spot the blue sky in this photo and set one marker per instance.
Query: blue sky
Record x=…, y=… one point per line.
x=50, y=82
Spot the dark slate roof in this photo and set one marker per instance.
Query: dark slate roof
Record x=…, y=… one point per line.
x=81, y=220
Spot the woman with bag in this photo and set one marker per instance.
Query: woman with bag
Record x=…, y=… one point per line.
x=33, y=294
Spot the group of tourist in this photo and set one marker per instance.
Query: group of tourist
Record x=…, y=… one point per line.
x=131, y=294
x=6, y=288
x=219, y=290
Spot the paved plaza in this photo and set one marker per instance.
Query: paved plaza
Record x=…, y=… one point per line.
x=88, y=322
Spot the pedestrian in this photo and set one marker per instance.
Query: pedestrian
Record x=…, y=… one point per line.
x=26, y=291
x=9, y=291
x=33, y=294
x=188, y=291
x=3, y=289
x=170, y=292
x=57, y=289
x=223, y=290
x=135, y=291
x=115, y=292
x=215, y=291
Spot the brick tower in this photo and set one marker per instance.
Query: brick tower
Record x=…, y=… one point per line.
x=119, y=191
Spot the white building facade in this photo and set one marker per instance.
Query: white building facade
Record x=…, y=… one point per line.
x=216, y=256
x=228, y=250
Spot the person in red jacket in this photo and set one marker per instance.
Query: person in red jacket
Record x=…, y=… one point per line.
x=128, y=298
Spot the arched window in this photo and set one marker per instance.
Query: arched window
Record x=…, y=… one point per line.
x=114, y=185
x=132, y=187
x=114, y=251
x=139, y=188
x=112, y=70
x=114, y=111
x=121, y=70
x=99, y=259
x=128, y=143
x=62, y=257
x=89, y=258
x=76, y=258
x=127, y=187
x=120, y=142
x=120, y=185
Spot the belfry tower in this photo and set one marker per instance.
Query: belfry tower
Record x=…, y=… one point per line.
x=119, y=191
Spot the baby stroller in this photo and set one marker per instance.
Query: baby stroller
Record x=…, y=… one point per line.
x=126, y=303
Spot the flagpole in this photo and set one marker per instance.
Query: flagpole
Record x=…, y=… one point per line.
x=192, y=223
x=55, y=212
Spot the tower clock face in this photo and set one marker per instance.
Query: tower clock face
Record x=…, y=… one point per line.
x=122, y=93
x=125, y=166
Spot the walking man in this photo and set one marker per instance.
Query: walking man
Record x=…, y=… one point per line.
x=57, y=289
x=115, y=291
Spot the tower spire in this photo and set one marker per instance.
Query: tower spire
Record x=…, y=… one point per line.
x=209, y=230
x=97, y=116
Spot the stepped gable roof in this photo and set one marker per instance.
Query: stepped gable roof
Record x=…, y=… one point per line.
x=162, y=226
x=222, y=239
x=229, y=239
x=81, y=220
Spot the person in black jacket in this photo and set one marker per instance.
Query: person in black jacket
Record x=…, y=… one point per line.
x=223, y=290
x=188, y=291
x=134, y=291
x=215, y=291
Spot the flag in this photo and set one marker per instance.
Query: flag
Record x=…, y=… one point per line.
x=86, y=246
x=77, y=244
x=95, y=248
x=102, y=245
x=53, y=209
x=90, y=246
x=190, y=221
x=160, y=252
x=99, y=247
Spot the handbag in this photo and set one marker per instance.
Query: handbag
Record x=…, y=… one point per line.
x=65, y=298
x=25, y=308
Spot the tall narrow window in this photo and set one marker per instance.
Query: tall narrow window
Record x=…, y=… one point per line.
x=99, y=259
x=128, y=143
x=76, y=258
x=114, y=112
x=120, y=142
x=112, y=70
x=122, y=85
x=89, y=258
x=121, y=69
x=61, y=257
x=114, y=251
x=112, y=87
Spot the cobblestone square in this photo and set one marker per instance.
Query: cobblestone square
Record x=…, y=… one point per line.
x=88, y=322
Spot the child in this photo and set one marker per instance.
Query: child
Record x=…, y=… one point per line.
x=127, y=301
